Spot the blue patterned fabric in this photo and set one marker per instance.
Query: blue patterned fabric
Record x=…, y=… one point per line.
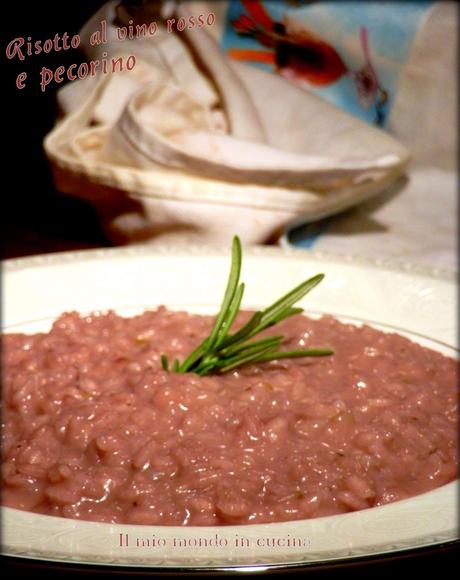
x=368, y=42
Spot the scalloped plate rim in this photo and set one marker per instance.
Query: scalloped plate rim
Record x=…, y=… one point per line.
x=131, y=252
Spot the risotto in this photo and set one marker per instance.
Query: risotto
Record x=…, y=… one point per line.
x=95, y=429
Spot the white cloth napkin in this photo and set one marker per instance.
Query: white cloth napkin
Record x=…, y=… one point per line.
x=403, y=225
x=174, y=145
x=417, y=219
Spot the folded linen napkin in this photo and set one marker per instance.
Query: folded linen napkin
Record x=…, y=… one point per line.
x=189, y=140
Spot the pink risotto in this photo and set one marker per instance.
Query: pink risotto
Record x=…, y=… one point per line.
x=94, y=429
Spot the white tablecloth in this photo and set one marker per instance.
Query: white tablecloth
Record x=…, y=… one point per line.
x=416, y=220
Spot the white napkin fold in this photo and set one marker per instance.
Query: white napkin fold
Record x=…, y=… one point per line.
x=215, y=133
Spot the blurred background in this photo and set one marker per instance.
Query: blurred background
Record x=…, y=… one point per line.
x=36, y=217
x=323, y=125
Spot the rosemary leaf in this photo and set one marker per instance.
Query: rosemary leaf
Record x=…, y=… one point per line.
x=245, y=331
x=295, y=354
x=222, y=352
x=231, y=315
x=193, y=357
x=237, y=361
x=281, y=307
x=286, y=314
x=229, y=292
x=250, y=345
x=164, y=362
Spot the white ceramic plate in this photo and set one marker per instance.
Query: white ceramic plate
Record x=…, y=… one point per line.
x=418, y=302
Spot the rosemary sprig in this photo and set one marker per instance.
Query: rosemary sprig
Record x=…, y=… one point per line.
x=221, y=352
